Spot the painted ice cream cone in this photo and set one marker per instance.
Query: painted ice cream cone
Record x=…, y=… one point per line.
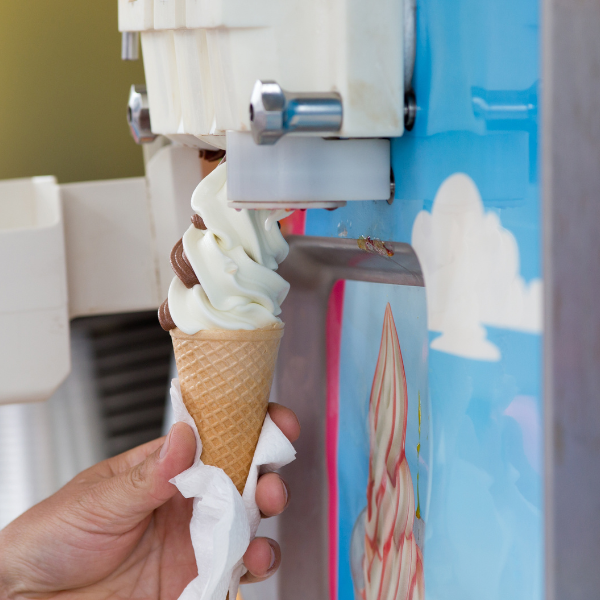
x=225, y=379
x=222, y=312
x=393, y=564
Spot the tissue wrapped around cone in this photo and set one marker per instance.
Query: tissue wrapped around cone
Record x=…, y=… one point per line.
x=225, y=379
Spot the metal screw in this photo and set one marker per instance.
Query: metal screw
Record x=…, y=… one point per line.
x=138, y=115
x=392, y=187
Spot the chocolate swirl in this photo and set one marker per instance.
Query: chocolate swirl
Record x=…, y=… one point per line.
x=182, y=267
x=164, y=317
x=198, y=222
x=212, y=155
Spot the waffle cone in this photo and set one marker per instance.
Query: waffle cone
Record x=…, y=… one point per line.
x=225, y=379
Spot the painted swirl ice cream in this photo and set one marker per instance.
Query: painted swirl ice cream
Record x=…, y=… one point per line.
x=225, y=266
x=393, y=564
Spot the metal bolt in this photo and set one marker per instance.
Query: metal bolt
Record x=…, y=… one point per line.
x=410, y=110
x=275, y=112
x=138, y=115
x=130, y=44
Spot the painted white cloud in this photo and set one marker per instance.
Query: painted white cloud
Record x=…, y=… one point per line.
x=472, y=273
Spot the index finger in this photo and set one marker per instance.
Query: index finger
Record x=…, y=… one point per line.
x=123, y=462
x=286, y=420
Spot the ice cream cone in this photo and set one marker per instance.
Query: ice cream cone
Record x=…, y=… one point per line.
x=225, y=379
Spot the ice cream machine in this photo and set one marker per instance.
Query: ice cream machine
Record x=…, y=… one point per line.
x=436, y=363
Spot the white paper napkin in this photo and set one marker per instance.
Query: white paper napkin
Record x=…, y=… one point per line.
x=223, y=522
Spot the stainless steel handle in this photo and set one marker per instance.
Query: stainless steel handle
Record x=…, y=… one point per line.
x=130, y=44
x=275, y=112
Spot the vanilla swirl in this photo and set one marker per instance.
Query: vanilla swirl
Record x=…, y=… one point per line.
x=225, y=266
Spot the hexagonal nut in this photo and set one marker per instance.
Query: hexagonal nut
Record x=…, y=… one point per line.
x=267, y=104
x=138, y=115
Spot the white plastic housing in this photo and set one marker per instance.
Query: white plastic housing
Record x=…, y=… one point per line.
x=34, y=323
x=113, y=257
x=202, y=58
x=119, y=234
x=305, y=170
x=110, y=266
x=136, y=15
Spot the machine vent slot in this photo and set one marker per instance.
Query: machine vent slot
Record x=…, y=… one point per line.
x=132, y=358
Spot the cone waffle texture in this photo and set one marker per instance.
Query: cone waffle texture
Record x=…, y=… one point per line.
x=225, y=379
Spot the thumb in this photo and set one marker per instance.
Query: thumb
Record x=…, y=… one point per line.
x=143, y=488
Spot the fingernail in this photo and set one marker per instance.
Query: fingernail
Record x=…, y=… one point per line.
x=165, y=447
x=273, y=558
x=285, y=493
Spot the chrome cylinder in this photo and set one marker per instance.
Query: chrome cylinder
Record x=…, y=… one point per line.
x=130, y=44
x=275, y=112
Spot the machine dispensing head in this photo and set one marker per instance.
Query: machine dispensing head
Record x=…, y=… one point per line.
x=220, y=78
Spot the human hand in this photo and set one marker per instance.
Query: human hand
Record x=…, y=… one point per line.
x=121, y=529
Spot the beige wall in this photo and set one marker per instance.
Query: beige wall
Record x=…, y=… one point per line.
x=63, y=91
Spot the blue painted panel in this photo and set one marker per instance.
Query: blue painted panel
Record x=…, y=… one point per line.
x=484, y=534
x=477, y=87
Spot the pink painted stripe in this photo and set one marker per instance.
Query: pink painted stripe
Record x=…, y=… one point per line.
x=335, y=309
x=299, y=222
x=295, y=224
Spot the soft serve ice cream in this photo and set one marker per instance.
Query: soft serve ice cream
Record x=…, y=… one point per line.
x=225, y=266
x=222, y=313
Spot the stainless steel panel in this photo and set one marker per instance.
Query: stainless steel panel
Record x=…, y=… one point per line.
x=313, y=266
x=571, y=217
